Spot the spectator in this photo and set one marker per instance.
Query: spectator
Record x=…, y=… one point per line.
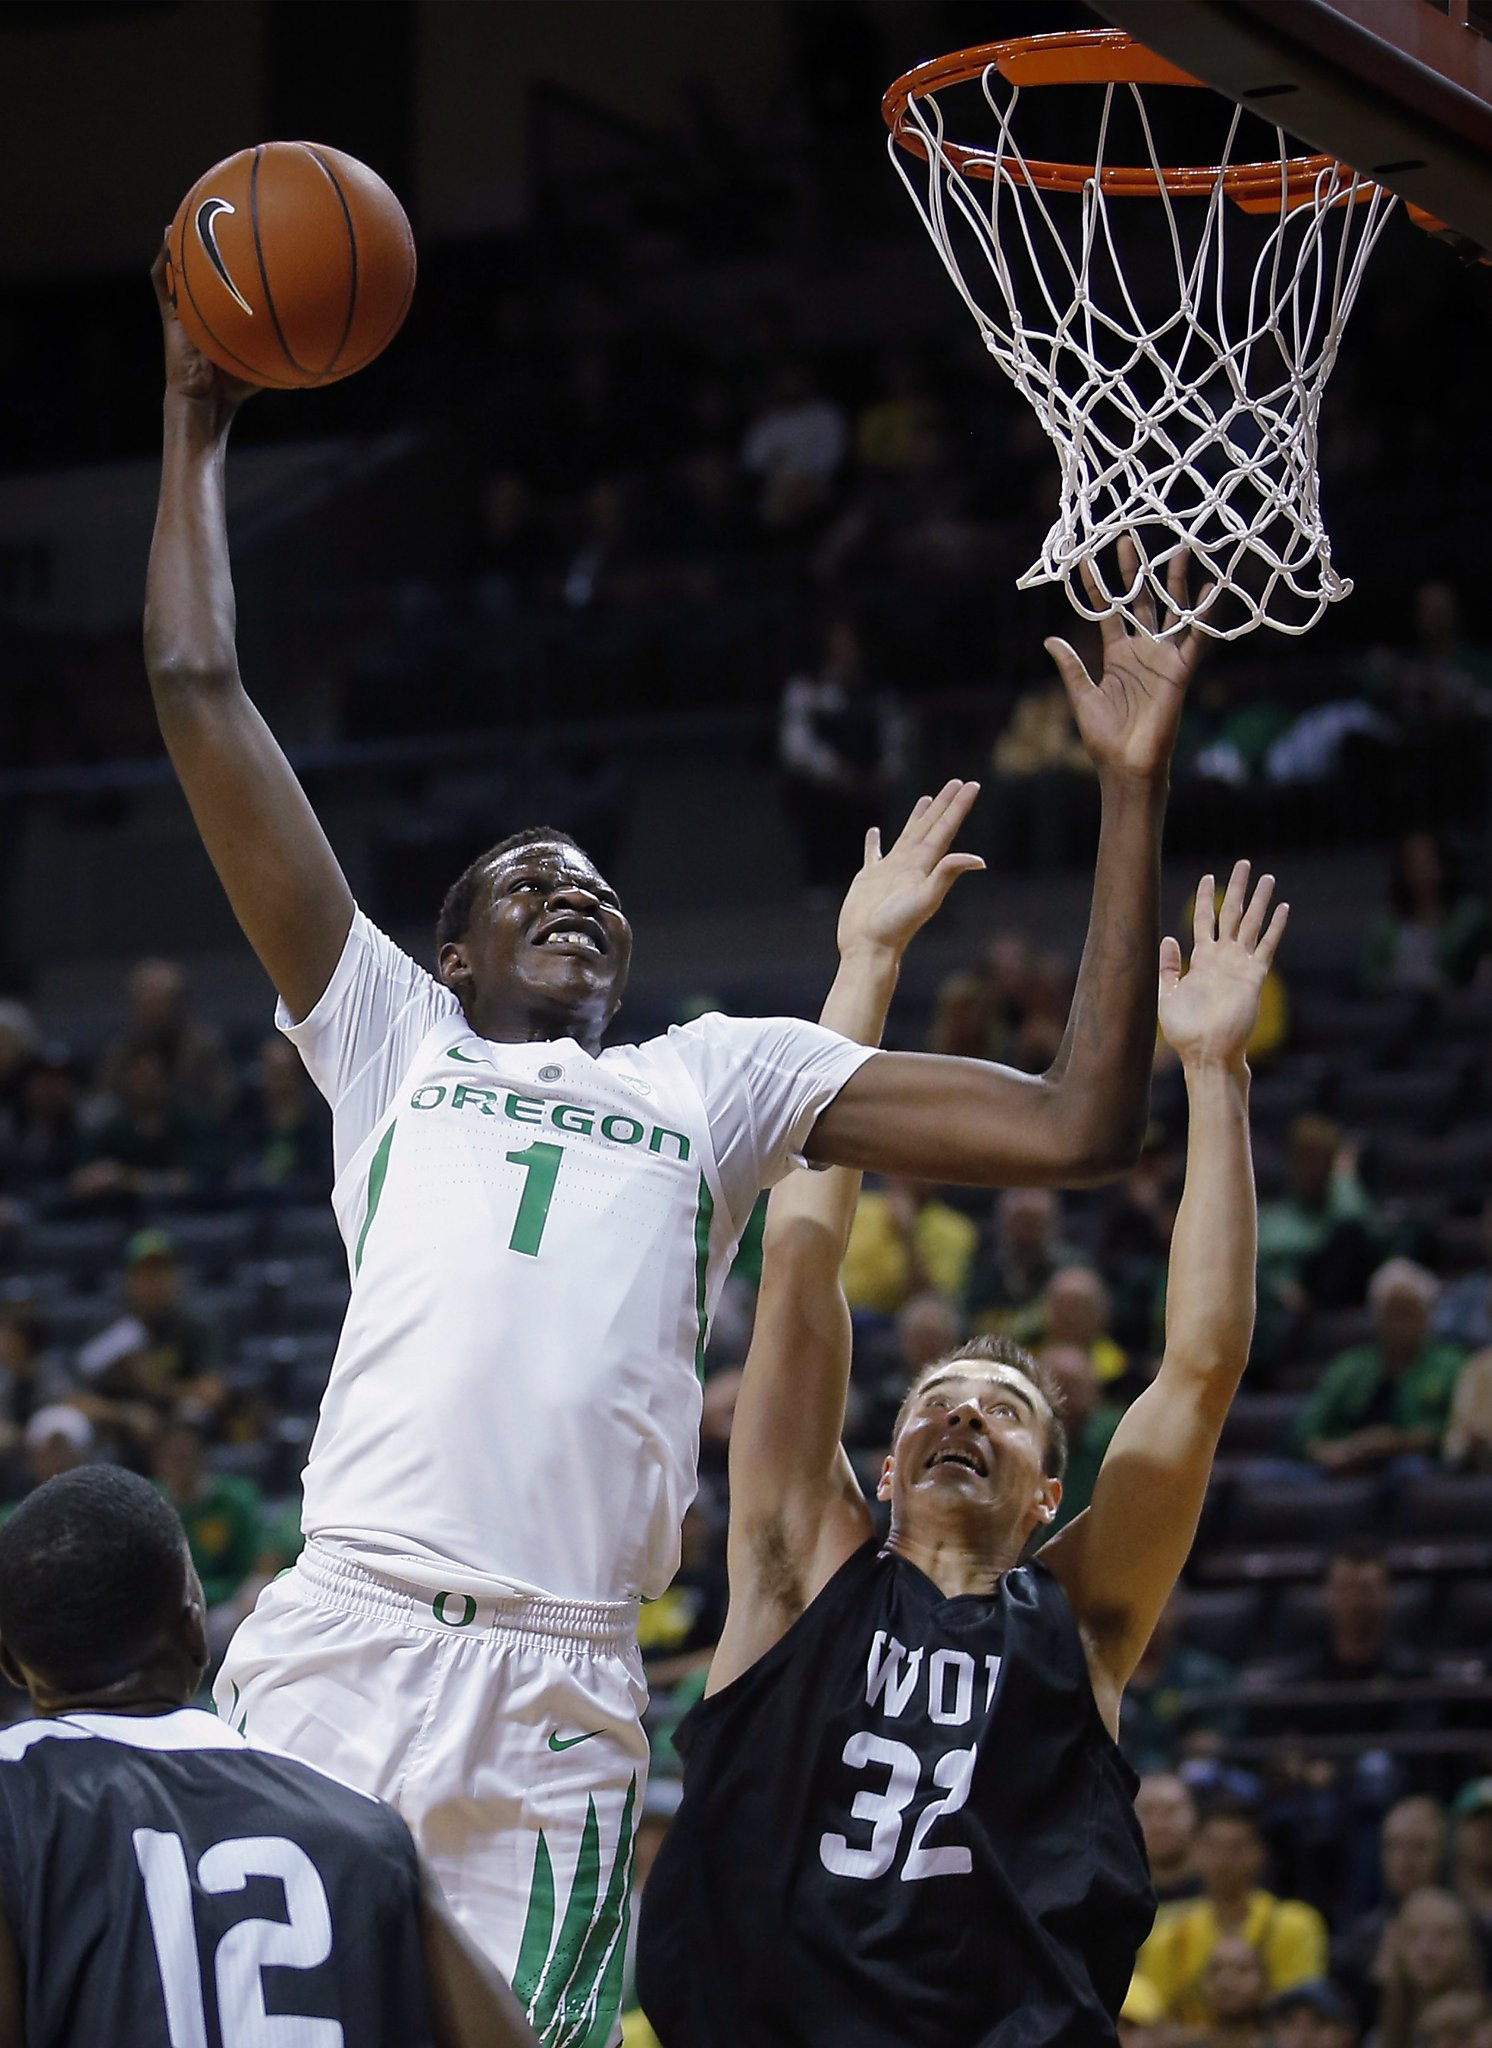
x=1431, y=1948
x=1075, y=1311
x=1314, y=2014
x=1411, y=1855
x=515, y=555
x=964, y=1025
x=1009, y=1277
x=722, y=1389
x=1090, y=1422
x=1289, y=1935
x=150, y=1147
x=283, y=1140
x=1008, y=968
x=1472, y=1808
x=795, y=446
x=1434, y=931
x=1356, y=1648
x=1316, y=1240
x=886, y=430
x=45, y=1145
x=1156, y=1726
x=1048, y=1006
x=1390, y=1399
x=32, y=1377
x=1045, y=798
x=841, y=744
x=1468, y=1438
x=1167, y=1814
x=160, y=1353
x=904, y=1240
x=1235, y=1988
x=57, y=1439
x=1457, y=2019
x=1463, y=1314
x=926, y=1326
x=222, y=1515
x=18, y=1047
x=1142, y=2017
x=199, y=1073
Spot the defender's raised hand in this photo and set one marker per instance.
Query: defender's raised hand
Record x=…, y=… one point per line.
x=895, y=893
x=1208, y=1012
x=1128, y=718
x=188, y=371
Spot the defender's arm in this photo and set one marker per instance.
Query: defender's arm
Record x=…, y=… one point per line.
x=797, y=1510
x=284, y=882
x=1119, y=1561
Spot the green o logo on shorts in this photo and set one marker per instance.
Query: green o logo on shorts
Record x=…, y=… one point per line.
x=467, y=1616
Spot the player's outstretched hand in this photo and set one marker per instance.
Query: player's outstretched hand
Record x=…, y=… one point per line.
x=896, y=892
x=188, y=371
x=1129, y=717
x=1208, y=1012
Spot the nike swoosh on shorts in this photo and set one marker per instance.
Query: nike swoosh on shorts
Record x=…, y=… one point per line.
x=558, y=1742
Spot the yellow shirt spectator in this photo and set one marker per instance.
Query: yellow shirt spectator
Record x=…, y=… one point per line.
x=1289, y=1935
x=901, y=1242
x=636, y=2033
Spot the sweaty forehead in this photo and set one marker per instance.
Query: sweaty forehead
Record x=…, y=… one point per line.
x=544, y=856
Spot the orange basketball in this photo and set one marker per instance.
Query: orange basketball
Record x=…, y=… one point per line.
x=291, y=264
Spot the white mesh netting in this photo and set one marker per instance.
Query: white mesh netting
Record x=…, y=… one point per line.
x=1193, y=424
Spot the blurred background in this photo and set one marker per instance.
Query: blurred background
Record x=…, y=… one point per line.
x=687, y=495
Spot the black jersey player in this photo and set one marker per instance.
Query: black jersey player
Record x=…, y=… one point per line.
x=905, y=1818
x=162, y=1885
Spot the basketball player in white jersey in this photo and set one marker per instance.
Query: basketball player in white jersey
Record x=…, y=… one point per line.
x=537, y=1231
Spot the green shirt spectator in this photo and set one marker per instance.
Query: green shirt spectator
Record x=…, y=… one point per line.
x=222, y=1514
x=1393, y=1396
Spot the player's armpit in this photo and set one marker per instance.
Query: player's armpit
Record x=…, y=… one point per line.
x=12, y=2011
x=470, y=2005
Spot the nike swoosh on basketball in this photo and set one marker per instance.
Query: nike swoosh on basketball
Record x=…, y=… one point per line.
x=558, y=1742
x=207, y=234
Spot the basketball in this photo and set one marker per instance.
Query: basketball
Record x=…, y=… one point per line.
x=291, y=264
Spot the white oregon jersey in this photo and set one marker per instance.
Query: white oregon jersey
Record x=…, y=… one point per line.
x=537, y=1238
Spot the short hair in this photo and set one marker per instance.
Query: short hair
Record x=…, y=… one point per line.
x=92, y=1570
x=1357, y=1550
x=1232, y=1807
x=454, y=920
x=1001, y=1351
x=1406, y=1274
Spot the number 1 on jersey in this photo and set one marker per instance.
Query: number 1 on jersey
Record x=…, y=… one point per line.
x=541, y=1165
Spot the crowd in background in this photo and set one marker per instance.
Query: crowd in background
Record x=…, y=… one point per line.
x=171, y=1288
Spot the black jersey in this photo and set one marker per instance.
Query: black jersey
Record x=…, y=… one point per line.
x=905, y=1824
x=169, y=1887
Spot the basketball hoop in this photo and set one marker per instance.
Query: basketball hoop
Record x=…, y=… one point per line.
x=1191, y=425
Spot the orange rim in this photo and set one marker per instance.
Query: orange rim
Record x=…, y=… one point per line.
x=1093, y=56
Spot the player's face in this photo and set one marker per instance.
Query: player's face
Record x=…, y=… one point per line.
x=975, y=1437
x=551, y=931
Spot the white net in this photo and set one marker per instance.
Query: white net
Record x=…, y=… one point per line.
x=1192, y=425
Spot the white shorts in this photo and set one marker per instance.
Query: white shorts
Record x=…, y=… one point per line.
x=506, y=1732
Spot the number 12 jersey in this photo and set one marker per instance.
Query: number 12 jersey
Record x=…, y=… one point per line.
x=163, y=1883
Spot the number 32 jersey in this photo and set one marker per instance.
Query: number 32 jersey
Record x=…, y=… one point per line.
x=537, y=1238
x=164, y=1883
x=905, y=1823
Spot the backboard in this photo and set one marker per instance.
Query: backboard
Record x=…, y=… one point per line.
x=1399, y=89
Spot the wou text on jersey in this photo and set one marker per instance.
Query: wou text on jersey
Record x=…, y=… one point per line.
x=617, y=1128
x=951, y=1681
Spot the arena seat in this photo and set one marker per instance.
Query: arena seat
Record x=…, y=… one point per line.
x=1259, y=1426
x=305, y=1229
x=212, y=1242
x=1220, y=1620
x=1459, y=1164
x=1467, y=1621
x=1420, y=1102
x=1288, y=1512
x=86, y=1248
x=1435, y=1504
